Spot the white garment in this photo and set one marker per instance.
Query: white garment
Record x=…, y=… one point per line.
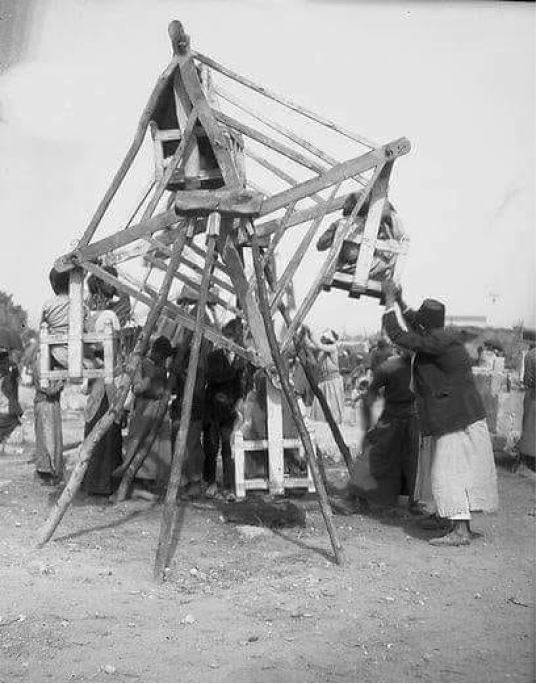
x=463, y=473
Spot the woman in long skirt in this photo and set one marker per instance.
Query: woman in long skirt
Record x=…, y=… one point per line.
x=330, y=379
x=48, y=429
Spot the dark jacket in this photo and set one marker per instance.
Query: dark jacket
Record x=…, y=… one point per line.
x=224, y=386
x=447, y=397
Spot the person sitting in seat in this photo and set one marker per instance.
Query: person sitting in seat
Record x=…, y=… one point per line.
x=390, y=231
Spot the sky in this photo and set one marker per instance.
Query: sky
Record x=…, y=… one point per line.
x=457, y=79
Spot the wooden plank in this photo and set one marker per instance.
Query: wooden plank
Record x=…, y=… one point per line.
x=121, y=238
x=131, y=152
x=103, y=424
x=267, y=228
x=161, y=265
x=283, y=175
x=378, y=200
x=236, y=203
x=246, y=299
x=223, y=284
x=286, y=132
x=211, y=333
x=299, y=253
x=219, y=141
x=269, y=142
x=170, y=504
x=76, y=323
x=201, y=252
x=336, y=174
x=274, y=415
x=178, y=158
x=283, y=374
x=276, y=239
x=284, y=101
x=327, y=268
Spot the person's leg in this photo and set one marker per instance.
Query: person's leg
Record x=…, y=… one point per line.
x=195, y=457
x=226, y=432
x=450, y=480
x=210, y=445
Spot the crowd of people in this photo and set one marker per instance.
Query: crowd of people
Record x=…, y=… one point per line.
x=431, y=441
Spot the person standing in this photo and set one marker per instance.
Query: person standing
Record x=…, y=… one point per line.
x=391, y=447
x=48, y=428
x=224, y=389
x=451, y=412
x=330, y=379
x=527, y=444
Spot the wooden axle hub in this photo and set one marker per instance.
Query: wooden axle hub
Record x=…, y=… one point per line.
x=231, y=203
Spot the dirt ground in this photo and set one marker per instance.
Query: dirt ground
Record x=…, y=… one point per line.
x=246, y=603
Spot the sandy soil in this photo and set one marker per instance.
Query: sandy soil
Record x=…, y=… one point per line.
x=253, y=604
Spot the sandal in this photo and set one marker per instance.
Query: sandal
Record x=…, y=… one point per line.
x=450, y=539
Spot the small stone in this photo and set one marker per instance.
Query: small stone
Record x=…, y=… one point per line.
x=64, y=623
x=478, y=596
x=194, y=572
x=213, y=665
x=188, y=620
x=251, y=531
x=109, y=669
x=25, y=664
x=253, y=638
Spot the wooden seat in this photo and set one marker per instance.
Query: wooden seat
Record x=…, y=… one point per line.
x=275, y=447
x=115, y=345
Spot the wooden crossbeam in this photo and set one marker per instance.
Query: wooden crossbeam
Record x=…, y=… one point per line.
x=378, y=201
x=299, y=253
x=283, y=101
x=236, y=203
x=120, y=239
x=286, y=132
x=141, y=130
x=267, y=228
x=214, y=298
x=219, y=141
x=283, y=175
x=212, y=334
x=336, y=174
x=163, y=552
x=269, y=142
x=174, y=164
x=192, y=265
x=326, y=272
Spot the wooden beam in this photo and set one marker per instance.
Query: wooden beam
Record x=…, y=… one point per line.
x=286, y=132
x=174, y=163
x=299, y=253
x=104, y=424
x=167, y=527
x=162, y=266
x=269, y=142
x=283, y=374
x=336, y=174
x=278, y=172
x=369, y=237
x=283, y=101
x=225, y=285
x=236, y=203
x=211, y=333
x=267, y=228
x=131, y=153
x=218, y=140
x=120, y=239
x=328, y=266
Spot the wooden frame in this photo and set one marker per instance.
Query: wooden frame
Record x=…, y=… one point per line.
x=230, y=233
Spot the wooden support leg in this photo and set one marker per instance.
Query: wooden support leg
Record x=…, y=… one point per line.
x=293, y=404
x=239, y=464
x=305, y=361
x=276, y=464
x=140, y=451
x=170, y=504
x=104, y=424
